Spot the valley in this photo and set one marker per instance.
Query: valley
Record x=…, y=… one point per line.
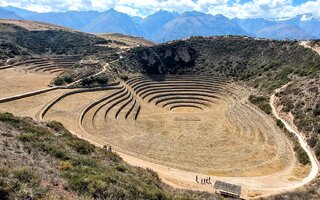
x=181, y=109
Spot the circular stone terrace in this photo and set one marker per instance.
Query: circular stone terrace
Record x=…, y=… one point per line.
x=198, y=124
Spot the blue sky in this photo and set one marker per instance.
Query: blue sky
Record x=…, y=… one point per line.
x=229, y=8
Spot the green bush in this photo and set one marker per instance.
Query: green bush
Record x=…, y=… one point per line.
x=257, y=99
x=58, y=127
x=316, y=111
x=301, y=154
x=280, y=124
x=312, y=142
x=67, y=79
x=262, y=102
x=55, y=151
x=62, y=80
x=8, y=117
x=58, y=81
x=26, y=137
x=82, y=147
x=120, y=168
x=24, y=175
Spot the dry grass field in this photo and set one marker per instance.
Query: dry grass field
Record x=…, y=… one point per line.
x=70, y=116
x=124, y=41
x=17, y=81
x=33, y=26
x=31, y=106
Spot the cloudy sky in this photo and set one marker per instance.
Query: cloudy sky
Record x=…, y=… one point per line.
x=229, y=8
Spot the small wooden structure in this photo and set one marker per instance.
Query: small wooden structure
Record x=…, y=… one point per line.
x=227, y=189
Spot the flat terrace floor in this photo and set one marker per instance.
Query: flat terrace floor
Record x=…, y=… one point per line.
x=15, y=81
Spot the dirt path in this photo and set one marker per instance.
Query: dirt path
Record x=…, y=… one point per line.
x=313, y=159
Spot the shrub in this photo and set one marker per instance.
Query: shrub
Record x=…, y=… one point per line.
x=262, y=102
x=65, y=165
x=316, y=111
x=26, y=137
x=61, y=80
x=301, y=154
x=317, y=150
x=58, y=81
x=58, y=127
x=120, y=168
x=280, y=124
x=312, y=141
x=82, y=147
x=55, y=151
x=24, y=175
x=8, y=117
x=84, y=162
x=274, y=64
x=67, y=79
x=20, y=183
x=256, y=99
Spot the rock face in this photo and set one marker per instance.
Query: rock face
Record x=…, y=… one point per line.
x=182, y=54
x=168, y=60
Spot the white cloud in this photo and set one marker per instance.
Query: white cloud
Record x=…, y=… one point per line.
x=127, y=9
x=229, y=8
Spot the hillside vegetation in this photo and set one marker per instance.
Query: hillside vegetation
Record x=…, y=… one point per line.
x=44, y=161
x=266, y=64
x=18, y=41
x=302, y=100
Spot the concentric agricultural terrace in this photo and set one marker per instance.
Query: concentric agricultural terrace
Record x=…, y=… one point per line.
x=193, y=124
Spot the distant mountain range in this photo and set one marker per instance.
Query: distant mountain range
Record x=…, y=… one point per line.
x=164, y=26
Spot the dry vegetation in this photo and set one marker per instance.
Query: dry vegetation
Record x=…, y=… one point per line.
x=15, y=81
x=33, y=26
x=302, y=100
x=124, y=41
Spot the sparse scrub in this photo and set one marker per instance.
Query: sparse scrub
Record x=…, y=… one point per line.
x=82, y=147
x=101, y=80
x=316, y=111
x=20, y=183
x=301, y=154
x=262, y=102
x=62, y=80
x=301, y=100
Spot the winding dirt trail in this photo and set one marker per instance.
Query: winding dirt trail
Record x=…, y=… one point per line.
x=313, y=159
